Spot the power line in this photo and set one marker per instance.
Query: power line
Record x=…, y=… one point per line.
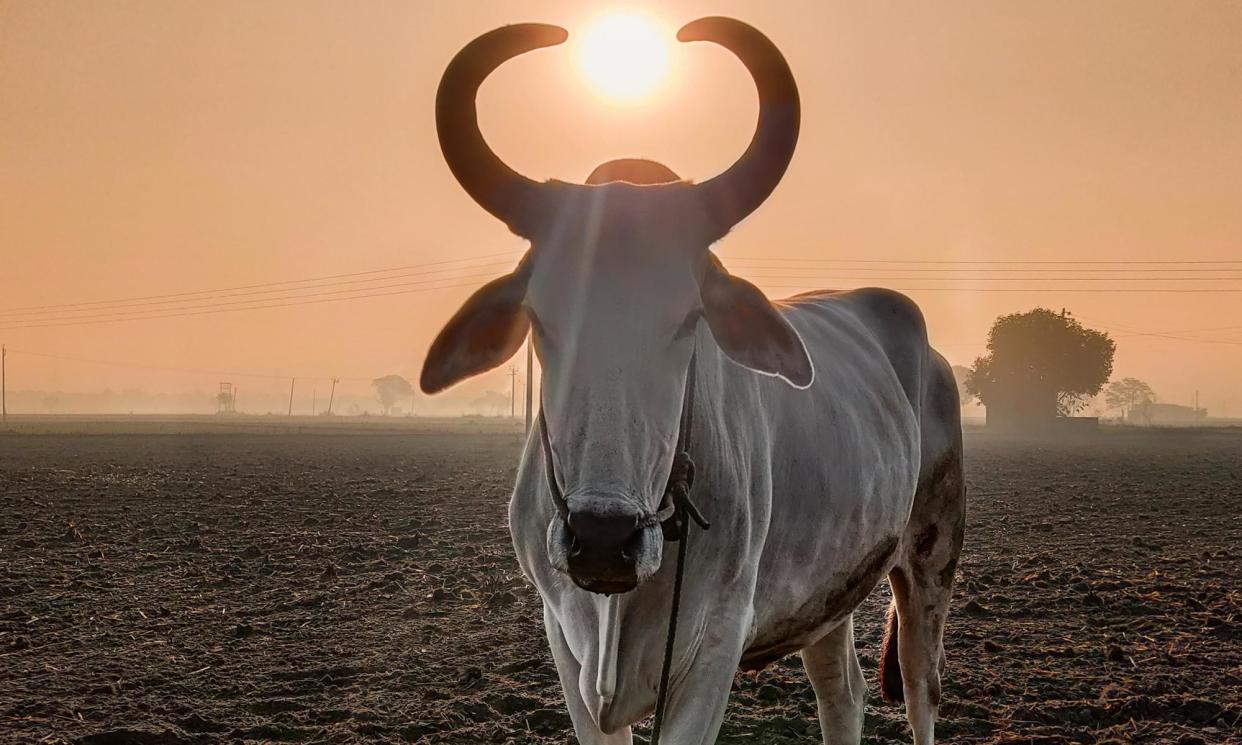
x=1157, y=335
x=225, y=305
x=902, y=278
x=1127, y=333
x=1204, y=330
x=292, y=293
x=1011, y=266
x=100, y=306
x=261, y=284
x=300, y=293
x=1040, y=290
x=820, y=265
x=1175, y=335
x=168, y=368
x=233, y=310
x=1100, y=262
x=221, y=307
x=1199, y=330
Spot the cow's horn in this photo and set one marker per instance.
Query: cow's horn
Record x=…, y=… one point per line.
x=497, y=188
x=734, y=194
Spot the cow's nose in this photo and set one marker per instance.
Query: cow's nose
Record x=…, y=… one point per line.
x=604, y=548
x=601, y=532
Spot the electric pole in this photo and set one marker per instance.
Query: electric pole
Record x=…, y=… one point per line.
x=530, y=378
x=314, y=400
x=292, y=382
x=332, y=395
x=513, y=391
x=4, y=384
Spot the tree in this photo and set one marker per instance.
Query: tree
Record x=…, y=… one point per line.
x=960, y=375
x=390, y=389
x=1129, y=395
x=1040, y=365
x=491, y=403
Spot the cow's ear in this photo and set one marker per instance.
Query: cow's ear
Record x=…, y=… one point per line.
x=750, y=330
x=486, y=331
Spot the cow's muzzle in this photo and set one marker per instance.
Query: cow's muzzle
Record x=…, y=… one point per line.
x=605, y=545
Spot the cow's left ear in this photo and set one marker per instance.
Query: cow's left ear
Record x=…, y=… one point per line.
x=487, y=330
x=750, y=330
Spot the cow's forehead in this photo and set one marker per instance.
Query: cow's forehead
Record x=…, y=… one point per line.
x=624, y=219
x=616, y=244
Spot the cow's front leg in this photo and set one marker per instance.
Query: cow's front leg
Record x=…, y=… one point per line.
x=840, y=689
x=569, y=671
x=700, y=692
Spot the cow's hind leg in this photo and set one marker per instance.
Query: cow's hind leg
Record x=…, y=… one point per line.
x=922, y=582
x=840, y=689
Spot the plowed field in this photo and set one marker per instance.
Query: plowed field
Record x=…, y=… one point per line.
x=361, y=587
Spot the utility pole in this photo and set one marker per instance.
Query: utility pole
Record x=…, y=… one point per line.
x=332, y=395
x=4, y=384
x=314, y=400
x=292, y=382
x=513, y=391
x=530, y=378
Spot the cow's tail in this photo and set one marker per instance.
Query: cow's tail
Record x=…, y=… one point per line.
x=890, y=664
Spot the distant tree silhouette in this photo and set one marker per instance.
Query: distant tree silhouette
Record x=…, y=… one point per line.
x=1130, y=395
x=961, y=374
x=390, y=389
x=1040, y=365
x=491, y=402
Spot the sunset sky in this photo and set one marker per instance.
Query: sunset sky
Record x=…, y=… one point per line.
x=153, y=148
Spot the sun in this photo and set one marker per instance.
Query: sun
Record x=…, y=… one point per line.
x=623, y=55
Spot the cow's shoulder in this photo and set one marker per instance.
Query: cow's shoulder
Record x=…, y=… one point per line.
x=891, y=316
x=892, y=320
x=891, y=312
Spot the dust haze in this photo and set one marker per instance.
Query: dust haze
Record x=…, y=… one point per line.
x=228, y=237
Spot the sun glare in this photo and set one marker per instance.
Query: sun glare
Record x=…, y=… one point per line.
x=623, y=55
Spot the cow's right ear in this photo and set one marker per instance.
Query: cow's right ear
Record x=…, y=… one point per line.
x=487, y=330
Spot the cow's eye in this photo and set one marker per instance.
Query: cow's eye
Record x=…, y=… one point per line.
x=540, y=331
x=688, y=326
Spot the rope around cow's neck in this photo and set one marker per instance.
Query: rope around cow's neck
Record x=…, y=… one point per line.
x=674, y=516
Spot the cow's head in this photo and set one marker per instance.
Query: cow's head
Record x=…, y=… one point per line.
x=617, y=280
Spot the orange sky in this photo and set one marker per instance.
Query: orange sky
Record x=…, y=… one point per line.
x=154, y=147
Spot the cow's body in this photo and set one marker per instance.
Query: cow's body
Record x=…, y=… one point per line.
x=810, y=494
x=825, y=430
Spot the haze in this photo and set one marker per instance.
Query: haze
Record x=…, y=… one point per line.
x=149, y=148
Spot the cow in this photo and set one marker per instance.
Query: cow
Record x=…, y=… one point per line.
x=825, y=431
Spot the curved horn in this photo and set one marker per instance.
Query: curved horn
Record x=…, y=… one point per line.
x=500, y=190
x=734, y=194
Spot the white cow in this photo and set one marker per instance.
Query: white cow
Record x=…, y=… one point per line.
x=825, y=431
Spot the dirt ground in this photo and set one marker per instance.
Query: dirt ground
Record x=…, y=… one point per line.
x=361, y=587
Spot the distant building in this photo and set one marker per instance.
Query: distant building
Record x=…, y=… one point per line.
x=1019, y=411
x=1027, y=415
x=1165, y=415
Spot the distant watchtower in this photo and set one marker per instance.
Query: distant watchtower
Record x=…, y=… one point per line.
x=226, y=399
